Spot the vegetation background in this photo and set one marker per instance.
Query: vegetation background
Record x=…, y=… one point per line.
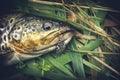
x=93, y=53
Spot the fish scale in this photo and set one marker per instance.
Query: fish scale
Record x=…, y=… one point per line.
x=25, y=36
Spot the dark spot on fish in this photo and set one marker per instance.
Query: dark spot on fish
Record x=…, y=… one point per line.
x=4, y=37
x=15, y=36
x=18, y=28
x=23, y=34
x=29, y=28
x=26, y=27
x=33, y=30
x=9, y=37
x=8, y=27
x=25, y=24
x=11, y=20
x=3, y=47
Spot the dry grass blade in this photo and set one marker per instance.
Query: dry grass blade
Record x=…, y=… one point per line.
x=106, y=65
x=116, y=30
x=61, y=4
x=96, y=28
x=93, y=52
x=103, y=33
x=83, y=36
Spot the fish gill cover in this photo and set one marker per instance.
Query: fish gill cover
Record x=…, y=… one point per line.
x=93, y=52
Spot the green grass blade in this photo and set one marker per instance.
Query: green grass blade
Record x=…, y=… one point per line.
x=77, y=60
x=91, y=66
x=92, y=45
x=61, y=67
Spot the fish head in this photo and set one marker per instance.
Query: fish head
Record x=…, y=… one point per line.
x=32, y=36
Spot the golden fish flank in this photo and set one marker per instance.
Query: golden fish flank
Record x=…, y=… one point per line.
x=27, y=36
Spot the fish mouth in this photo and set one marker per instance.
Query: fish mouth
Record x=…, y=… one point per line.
x=41, y=45
x=52, y=47
x=28, y=53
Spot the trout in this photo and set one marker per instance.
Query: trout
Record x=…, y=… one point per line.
x=26, y=36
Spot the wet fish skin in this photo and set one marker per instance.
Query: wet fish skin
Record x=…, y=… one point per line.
x=25, y=36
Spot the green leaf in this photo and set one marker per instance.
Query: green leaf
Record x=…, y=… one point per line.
x=92, y=45
x=61, y=67
x=77, y=60
x=91, y=66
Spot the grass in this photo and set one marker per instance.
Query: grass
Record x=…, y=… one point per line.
x=84, y=58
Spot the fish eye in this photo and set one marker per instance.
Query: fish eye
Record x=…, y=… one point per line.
x=47, y=26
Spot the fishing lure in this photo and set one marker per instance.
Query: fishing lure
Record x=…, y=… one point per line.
x=25, y=36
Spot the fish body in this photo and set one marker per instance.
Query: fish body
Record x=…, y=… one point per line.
x=25, y=36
